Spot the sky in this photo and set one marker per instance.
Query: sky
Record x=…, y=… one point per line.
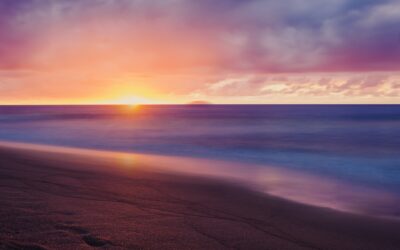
x=220, y=51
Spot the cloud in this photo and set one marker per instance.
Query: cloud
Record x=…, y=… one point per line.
x=384, y=14
x=301, y=84
x=267, y=36
x=224, y=47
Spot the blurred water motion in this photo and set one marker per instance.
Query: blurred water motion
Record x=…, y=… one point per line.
x=355, y=145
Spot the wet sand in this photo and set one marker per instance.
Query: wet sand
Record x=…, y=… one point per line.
x=53, y=200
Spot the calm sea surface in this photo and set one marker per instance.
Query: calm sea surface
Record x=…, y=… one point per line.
x=355, y=144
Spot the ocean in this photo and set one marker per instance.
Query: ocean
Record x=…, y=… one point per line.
x=358, y=145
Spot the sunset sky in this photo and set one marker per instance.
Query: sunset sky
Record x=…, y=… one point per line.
x=177, y=51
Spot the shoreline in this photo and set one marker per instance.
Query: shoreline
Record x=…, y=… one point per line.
x=295, y=186
x=63, y=201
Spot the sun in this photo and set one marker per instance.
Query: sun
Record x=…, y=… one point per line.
x=131, y=101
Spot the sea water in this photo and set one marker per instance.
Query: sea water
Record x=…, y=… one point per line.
x=354, y=144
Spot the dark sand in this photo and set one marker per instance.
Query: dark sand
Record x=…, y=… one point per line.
x=56, y=201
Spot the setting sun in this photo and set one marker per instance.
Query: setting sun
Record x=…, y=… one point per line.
x=132, y=101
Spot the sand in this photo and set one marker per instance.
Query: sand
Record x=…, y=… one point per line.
x=52, y=200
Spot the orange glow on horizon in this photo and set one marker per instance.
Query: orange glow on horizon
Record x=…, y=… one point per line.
x=131, y=101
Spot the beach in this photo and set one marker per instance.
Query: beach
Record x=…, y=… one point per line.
x=63, y=200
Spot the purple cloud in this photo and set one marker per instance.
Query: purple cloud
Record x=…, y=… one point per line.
x=249, y=36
